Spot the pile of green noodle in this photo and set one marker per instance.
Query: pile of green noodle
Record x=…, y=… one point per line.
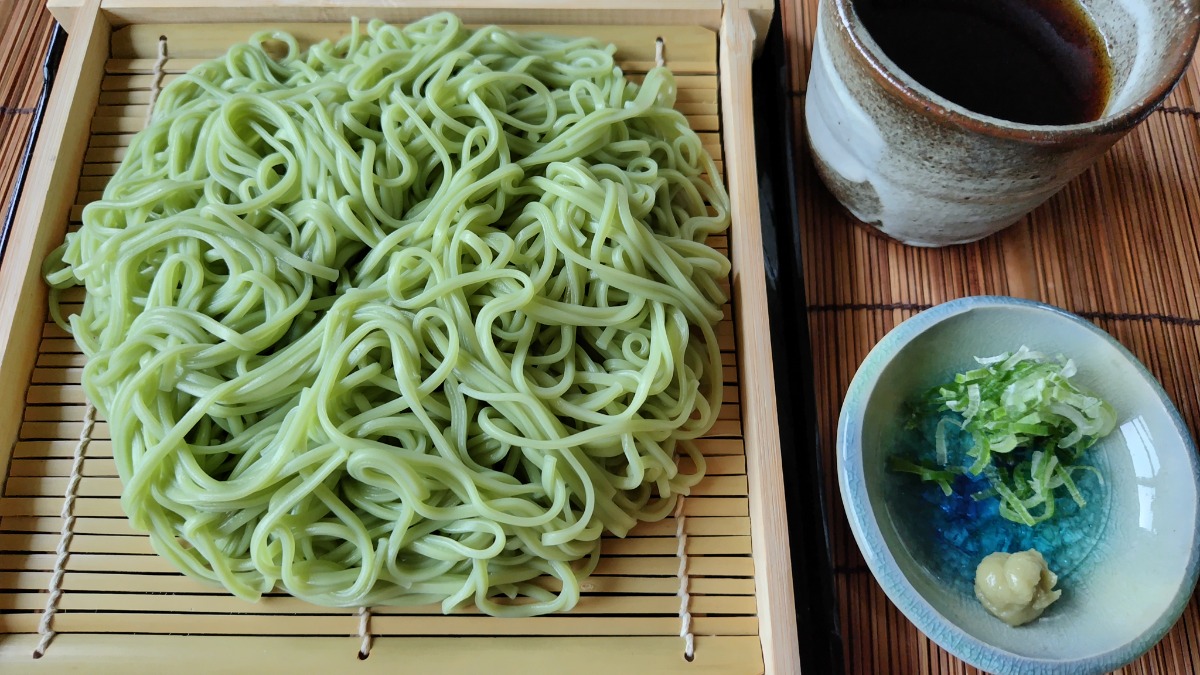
x=411, y=317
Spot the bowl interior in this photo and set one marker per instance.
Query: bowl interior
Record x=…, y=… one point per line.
x=1122, y=560
x=1149, y=43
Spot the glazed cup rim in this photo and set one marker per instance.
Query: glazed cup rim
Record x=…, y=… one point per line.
x=922, y=99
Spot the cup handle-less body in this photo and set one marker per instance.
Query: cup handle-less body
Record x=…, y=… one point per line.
x=917, y=167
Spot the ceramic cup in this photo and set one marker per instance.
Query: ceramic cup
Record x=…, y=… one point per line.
x=928, y=172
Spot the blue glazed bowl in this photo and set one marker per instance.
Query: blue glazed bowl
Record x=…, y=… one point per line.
x=1127, y=562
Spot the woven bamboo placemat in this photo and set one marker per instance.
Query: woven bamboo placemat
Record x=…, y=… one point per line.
x=24, y=36
x=1120, y=246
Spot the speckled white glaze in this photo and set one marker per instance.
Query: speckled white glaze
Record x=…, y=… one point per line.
x=928, y=172
x=1133, y=584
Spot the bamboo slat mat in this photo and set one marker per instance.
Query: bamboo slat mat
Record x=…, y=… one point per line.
x=119, y=597
x=1120, y=245
x=24, y=36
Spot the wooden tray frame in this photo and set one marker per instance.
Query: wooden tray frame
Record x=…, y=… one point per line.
x=52, y=188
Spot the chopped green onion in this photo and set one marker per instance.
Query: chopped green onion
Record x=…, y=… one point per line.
x=939, y=440
x=943, y=477
x=1028, y=423
x=982, y=452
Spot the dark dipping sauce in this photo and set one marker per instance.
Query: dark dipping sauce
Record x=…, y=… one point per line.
x=1028, y=61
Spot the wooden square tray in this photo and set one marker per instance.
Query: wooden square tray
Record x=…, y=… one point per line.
x=122, y=606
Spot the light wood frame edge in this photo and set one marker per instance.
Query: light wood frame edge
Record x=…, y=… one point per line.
x=706, y=13
x=102, y=654
x=760, y=422
x=41, y=218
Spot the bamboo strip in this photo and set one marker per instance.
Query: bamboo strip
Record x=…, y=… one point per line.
x=109, y=507
x=595, y=605
x=93, y=486
x=105, y=467
x=138, y=581
x=727, y=425
x=695, y=527
x=709, y=447
x=244, y=624
x=691, y=46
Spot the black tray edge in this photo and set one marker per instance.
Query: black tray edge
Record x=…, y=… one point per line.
x=58, y=42
x=812, y=568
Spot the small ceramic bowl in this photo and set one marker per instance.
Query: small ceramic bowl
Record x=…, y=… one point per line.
x=1127, y=562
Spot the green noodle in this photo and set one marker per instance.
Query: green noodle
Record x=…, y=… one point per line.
x=412, y=317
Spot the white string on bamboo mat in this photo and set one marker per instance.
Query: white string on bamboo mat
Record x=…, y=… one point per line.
x=62, y=552
x=364, y=632
x=685, y=598
x=45, y=630
x=157, y=77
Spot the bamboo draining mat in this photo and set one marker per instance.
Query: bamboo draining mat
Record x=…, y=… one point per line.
x=120, y=597
x=24, y=36
x=1120, y=245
